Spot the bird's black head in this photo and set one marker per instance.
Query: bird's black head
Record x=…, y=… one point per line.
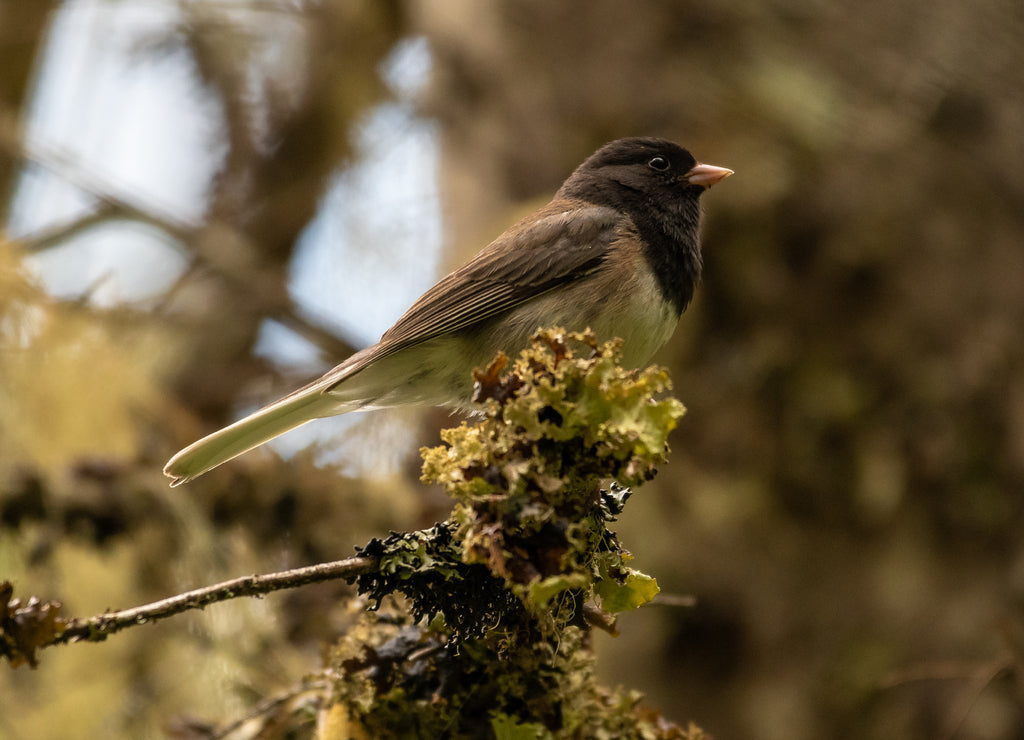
x=658, y=184
x=625, y=168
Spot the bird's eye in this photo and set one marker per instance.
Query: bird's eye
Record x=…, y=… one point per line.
x=658, y=163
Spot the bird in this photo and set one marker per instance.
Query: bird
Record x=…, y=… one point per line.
x=617, y=250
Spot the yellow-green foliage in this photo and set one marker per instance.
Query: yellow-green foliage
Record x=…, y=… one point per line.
x=492, y=636
x=565, y=417
x=72, y=381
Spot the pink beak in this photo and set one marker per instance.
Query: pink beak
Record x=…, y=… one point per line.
x=706, y=175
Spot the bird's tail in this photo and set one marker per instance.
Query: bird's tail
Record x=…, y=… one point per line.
x=245, y=434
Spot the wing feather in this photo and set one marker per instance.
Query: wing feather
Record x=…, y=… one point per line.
x=563, y=242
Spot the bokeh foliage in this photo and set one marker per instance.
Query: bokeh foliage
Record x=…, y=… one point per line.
x=846, y=499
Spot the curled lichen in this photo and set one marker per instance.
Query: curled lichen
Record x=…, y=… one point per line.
x=498, y=601
x=563, y=416
x=561, y=420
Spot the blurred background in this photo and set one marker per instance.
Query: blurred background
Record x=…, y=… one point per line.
x=207, y=202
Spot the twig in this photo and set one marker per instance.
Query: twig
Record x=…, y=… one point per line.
x=58, y=234
x=107, y=206
x=265, y=707
x=964, y=701
x=96, y=629
x=314, y=331
x=976, y=677
x=684, y=600
x=65, y=165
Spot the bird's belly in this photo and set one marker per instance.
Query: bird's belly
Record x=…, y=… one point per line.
x=632, y=310
x=439, y=371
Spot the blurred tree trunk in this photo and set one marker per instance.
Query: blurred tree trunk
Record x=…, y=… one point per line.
x=23, y=25
x=269, y=189
x=852, y=364
x=845, y=489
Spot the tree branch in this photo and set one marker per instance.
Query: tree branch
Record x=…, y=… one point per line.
x=96, y=629
x=57, y=234
x=65, y=165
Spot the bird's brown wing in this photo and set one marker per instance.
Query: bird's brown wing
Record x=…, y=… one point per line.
x=563, y=242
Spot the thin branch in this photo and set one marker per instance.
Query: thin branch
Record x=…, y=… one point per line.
x=97, y=628
x=683, y=600
x=314, y=331
x=976, y=676
x=64, y=164
x=941, y=670
x=267, y=706
x=58, y=234
x=979, y=680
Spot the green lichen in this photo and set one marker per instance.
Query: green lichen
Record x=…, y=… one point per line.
x=565, y=417
x=484, y=620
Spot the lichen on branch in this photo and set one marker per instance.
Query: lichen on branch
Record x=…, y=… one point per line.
x=499, y=600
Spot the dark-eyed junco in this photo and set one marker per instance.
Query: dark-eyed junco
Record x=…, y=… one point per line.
x=616, y=250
